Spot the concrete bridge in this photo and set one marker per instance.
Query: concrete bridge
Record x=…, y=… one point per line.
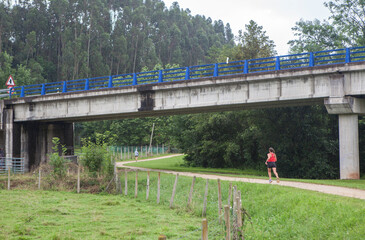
x=30, y=122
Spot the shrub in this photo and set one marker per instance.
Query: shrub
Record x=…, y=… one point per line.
x=57, y=162
x=96, y=158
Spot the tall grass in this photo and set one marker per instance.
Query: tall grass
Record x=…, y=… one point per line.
x=277, y=212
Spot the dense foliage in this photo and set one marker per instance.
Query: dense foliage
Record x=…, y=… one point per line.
x=46, y=40
x=305, y=138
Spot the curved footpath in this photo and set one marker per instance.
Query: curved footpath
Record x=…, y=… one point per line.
x=340, y=191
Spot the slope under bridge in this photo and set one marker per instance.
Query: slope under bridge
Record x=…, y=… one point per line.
x=37, y=113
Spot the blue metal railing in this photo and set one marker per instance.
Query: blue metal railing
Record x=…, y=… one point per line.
x=311, y=59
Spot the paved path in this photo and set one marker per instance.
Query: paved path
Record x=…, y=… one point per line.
x=341, y=191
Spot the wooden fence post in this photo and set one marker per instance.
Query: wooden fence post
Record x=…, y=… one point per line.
x=116, y=176
x=191, y=191
x=158, y=187
x=234, y=198
x=162, y=237
x=205, y=199
x=120, y=184
x=78, y=177
x=8, y=177
x=239, y=214
x=136, y=185
x=219, y=201
x=39, y=178
x=229, y=194
x=204, y=229
x=228, y=224
x=148, y=185
x=125, y=182
x=173, y=192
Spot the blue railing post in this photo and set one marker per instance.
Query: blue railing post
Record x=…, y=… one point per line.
x=245, y=67
x=134, y=79
x=348, y=56
x=87, y=87
x=311, y=59
x=43, y=91
x=277, y=64
x=110, y=82
x=215, y=74
x=22, y=92
x=64, y=87
x=187, y=73
x=160, y=76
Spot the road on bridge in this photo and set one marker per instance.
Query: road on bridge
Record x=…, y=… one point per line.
x=340, y=191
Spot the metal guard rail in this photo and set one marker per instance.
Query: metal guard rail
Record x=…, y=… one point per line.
x=310, y=59
x=16, y=165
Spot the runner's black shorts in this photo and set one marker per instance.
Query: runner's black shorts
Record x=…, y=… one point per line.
x=271, y=165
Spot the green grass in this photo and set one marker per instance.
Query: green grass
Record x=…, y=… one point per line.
x=277, y=212
x=63, y=215
x=176, y=164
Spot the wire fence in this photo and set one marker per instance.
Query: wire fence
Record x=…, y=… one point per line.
x=128, y=152
x=165, y=188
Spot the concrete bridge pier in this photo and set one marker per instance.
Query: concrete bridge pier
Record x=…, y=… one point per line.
x=349, y=146
x=33, y=140
x=8, y=135
x=348, y=110
x=36, y=141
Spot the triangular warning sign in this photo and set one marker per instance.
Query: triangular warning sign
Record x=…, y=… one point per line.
x=10, y=81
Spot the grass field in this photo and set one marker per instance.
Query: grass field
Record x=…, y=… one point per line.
x=176, y=164
x=276, y=213
x=63, y=215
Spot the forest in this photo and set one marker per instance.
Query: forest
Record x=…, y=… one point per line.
x=55, y=40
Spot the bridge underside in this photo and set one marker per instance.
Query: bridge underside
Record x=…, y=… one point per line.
x=32, y=122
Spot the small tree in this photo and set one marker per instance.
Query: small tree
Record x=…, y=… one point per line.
x=96, y=157
x=56, y=161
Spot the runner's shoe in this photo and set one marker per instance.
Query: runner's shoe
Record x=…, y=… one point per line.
x=278, y=180
x=270, y=181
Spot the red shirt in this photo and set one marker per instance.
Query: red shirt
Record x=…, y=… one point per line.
x=272, y=157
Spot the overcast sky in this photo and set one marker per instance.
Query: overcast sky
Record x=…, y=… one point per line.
x=276, y=16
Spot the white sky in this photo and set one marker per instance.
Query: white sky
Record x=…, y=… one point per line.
x=276, y=16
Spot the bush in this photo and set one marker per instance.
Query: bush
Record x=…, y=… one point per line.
x=57, y=162
x=96, y=158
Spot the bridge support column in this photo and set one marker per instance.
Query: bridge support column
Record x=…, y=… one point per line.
x=62, y=130
x=349, y=146
x=9, y=133
x=36, y=141
x=348, y=109
x=24, y=145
